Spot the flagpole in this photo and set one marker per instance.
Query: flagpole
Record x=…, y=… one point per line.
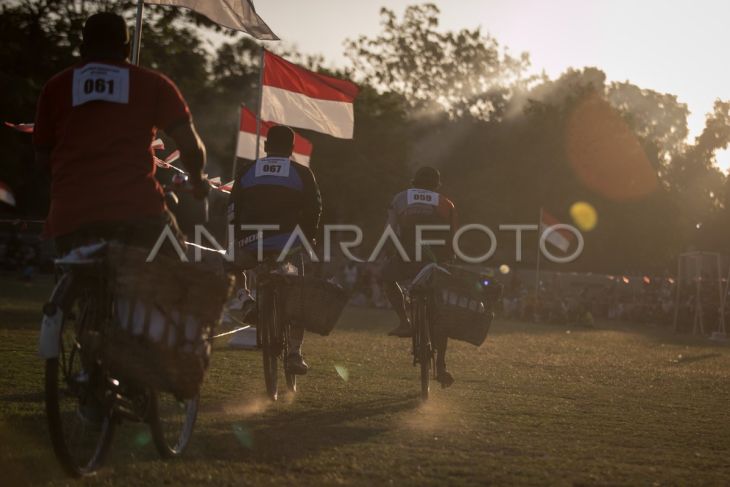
x=235, y=145
x=261, y=97
x=537, y=266
x=137, y=41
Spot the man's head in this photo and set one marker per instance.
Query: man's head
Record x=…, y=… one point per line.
x=427, y=178
x=279, y=141
x=105, y=36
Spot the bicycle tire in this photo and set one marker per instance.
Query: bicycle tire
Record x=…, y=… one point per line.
x=60, y=369
x=171, y=442
x=424, y=349
x=267, y=322
x=291, y=378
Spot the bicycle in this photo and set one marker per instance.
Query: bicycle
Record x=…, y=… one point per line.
x=274, y=329
x=84, y=401
x=460, y=300
x=421, y=309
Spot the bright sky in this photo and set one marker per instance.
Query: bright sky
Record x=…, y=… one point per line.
x=674, y=46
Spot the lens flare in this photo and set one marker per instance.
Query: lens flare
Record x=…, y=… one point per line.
x=243, y=435
x=504, y=269
x=584, y=215
x=342, y=372
x=143, y=438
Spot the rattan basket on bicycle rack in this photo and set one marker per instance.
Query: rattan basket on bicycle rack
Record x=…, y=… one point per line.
x=164, y=313
x=313, y=303
x=464, y=304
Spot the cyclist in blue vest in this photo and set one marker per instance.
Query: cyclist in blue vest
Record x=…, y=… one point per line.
x=275, y=190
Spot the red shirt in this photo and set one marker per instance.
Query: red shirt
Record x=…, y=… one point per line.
x=99, y=120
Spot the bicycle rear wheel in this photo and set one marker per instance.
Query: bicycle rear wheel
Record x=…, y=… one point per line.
x=172, y=422
x=80, y=420
x=269, y=344
x=291, y=378
x=424, y=350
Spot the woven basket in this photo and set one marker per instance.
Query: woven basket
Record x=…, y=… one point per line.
x=164, y=313
x=463, y=304
x=313, y=304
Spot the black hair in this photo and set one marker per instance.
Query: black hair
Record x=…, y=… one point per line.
x=105, y=35
x=427, y=178
x=279, y=140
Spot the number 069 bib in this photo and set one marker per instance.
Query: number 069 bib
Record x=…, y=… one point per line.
x=100, y=82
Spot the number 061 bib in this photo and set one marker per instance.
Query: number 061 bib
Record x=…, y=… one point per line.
x=100, y=82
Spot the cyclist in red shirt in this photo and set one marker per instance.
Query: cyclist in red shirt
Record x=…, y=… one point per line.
x=94, y=127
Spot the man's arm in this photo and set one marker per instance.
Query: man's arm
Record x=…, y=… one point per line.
x=173, y=116
x=313, y=205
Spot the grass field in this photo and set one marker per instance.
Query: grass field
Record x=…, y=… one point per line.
x=536, y=404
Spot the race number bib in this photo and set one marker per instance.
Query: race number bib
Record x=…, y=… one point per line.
x=100, y=82
x=422, y=197
x=273, y=166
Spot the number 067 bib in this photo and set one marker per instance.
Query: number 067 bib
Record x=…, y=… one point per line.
x=100, y=82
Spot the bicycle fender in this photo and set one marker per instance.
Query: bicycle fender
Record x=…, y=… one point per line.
x=49, y=341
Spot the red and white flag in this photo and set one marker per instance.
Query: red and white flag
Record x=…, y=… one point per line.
x=246, y=148
x=6, y=196
x=560, y=238
x=26, y=128
x=301, y=98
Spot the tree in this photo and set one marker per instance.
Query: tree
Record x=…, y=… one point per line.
x=462, y=73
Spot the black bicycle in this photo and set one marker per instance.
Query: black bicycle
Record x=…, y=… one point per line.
x=461, y=299
x=421, y=311
x=85, y=402
x=274, y=329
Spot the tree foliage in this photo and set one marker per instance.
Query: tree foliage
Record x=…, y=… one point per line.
x=462, y=73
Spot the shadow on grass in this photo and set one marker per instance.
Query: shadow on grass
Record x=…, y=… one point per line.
x=286, y=436
x=26, y=455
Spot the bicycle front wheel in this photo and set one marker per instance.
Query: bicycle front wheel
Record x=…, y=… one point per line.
x=171, y=422
x=80, y=421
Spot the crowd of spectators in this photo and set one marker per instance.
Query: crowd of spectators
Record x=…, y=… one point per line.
x=20, y=256
x=577, y=299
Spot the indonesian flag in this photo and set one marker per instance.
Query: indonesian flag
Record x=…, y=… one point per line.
x=234, y=14
x=558, y=237
x=298, y=97
x=246, y=147
x=26, y=128
x=6, y=196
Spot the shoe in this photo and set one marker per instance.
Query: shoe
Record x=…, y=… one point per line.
x=296, y=365
x=444, y=377
x=242, y=298
x=403, y=331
